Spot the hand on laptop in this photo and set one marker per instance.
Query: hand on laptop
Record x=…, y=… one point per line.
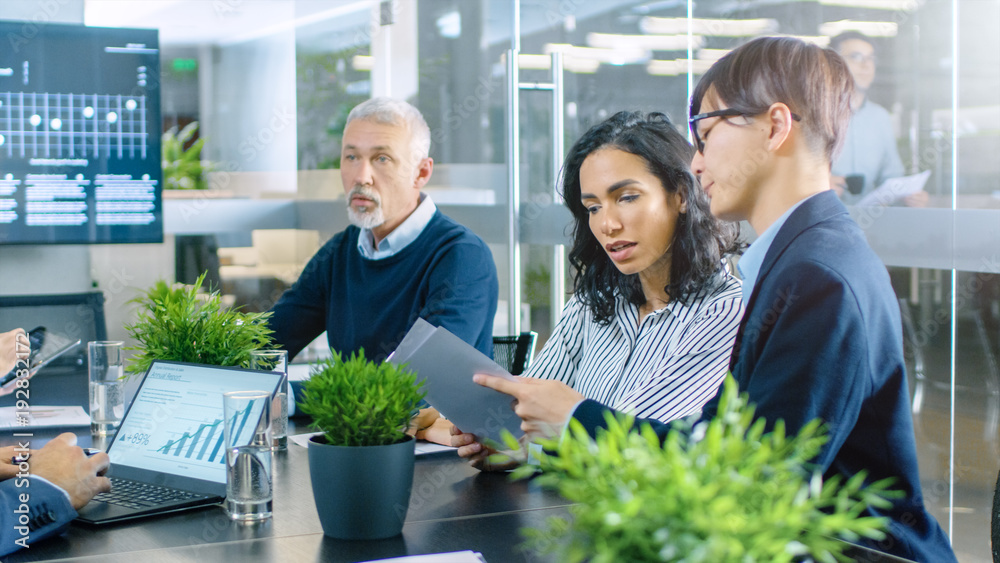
x=65, y=465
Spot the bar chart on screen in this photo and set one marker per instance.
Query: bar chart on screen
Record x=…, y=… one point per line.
x=206, y=443
x=55, y=125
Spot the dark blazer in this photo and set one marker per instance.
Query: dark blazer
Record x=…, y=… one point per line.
x=822, y=338
x=46, y=512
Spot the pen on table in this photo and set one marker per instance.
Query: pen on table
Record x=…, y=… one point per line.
x=88, y=451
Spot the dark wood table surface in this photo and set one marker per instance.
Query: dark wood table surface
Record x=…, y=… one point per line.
x=453, y=507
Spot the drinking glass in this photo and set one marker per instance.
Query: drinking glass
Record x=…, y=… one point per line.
x=248, y=454
x=107, y=388
x=277, y=361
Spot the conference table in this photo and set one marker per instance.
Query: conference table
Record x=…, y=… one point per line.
x=453, y=507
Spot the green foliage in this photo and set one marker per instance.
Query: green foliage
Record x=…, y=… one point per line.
x=723, y=491
x=358, y=403
x=176, y=323
x=183, y=169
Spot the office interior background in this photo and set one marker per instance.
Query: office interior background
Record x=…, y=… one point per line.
x=270, y=83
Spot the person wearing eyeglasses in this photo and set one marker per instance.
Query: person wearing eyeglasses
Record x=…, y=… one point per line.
x=654, y=311
x=821, y=336
x=869, y=156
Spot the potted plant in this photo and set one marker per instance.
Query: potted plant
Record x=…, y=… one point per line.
x=180, y=324
x=362, y=465
x=722, y=491
x=183, y=169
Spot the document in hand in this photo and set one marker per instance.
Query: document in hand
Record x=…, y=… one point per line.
x=446, y=363
x=896, y=188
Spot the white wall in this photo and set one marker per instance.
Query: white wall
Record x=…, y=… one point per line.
x=249, y=113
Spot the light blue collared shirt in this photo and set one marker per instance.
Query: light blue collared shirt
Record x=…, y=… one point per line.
x=401, y=236
x=751, y=261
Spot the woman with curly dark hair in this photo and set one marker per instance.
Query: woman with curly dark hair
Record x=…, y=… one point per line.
x=650, y=327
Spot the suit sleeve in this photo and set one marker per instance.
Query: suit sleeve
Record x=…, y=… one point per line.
x=808, y=354
x=300, y=314
x=803, y=356
x=462, y=294
x=46, y=512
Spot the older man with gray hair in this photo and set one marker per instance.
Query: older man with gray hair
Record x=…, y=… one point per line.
x=401, y=259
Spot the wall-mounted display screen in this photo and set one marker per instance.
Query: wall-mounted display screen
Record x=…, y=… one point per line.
x=79, y=135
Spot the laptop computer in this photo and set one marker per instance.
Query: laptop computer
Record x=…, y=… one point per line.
x=169, y=452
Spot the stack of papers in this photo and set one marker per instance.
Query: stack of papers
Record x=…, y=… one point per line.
x=422, y=448
x=43, y=417
x=453, y=557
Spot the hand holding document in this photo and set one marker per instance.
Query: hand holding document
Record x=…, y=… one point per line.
x=895, y=189
x=446, y=363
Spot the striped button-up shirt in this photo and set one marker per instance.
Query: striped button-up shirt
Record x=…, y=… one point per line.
x=666, y=368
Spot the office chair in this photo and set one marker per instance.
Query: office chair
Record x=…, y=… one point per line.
x=514, y=353
x=66, y=317
x=995, y=523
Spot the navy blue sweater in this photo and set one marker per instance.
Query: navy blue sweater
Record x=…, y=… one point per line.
x=446, y=276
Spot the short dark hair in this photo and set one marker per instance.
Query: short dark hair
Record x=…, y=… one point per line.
x=813, y=82
x=700, y=240
x=847, y=36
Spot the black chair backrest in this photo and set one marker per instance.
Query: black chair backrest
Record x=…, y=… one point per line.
x=995, y=523
x=514, y=353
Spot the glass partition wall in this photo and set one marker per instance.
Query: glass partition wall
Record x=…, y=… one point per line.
x=932, y=69
x=931, y=72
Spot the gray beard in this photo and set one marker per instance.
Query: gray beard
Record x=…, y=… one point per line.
x=365, y=219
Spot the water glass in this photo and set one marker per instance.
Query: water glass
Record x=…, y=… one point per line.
x=107, y=388
x=277, y=361
x=247, y=435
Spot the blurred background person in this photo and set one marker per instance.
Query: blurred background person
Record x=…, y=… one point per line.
x=869, y=156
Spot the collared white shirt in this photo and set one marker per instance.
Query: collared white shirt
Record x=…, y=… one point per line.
x=666, y=368
x=401, y=236
x=751, y=261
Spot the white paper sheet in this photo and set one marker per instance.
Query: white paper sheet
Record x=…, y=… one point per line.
x=453, y=557
x=896, y=188
x=422, y=448
x=44, y=417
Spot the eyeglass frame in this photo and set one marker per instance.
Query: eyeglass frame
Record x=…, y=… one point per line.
x=699, y=144
x=859, y=58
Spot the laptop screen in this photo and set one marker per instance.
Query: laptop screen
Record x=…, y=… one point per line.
x=175, y=426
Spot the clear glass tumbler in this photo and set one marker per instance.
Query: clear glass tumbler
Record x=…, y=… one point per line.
x=277, y=361
x=248, y=454
x=107, y=388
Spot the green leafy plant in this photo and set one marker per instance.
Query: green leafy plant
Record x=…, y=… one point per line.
x=179, y=324
x=356, y=402
x=722, y=491
x=183, y=169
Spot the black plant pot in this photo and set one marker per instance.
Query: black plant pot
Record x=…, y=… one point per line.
x=361, y=493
